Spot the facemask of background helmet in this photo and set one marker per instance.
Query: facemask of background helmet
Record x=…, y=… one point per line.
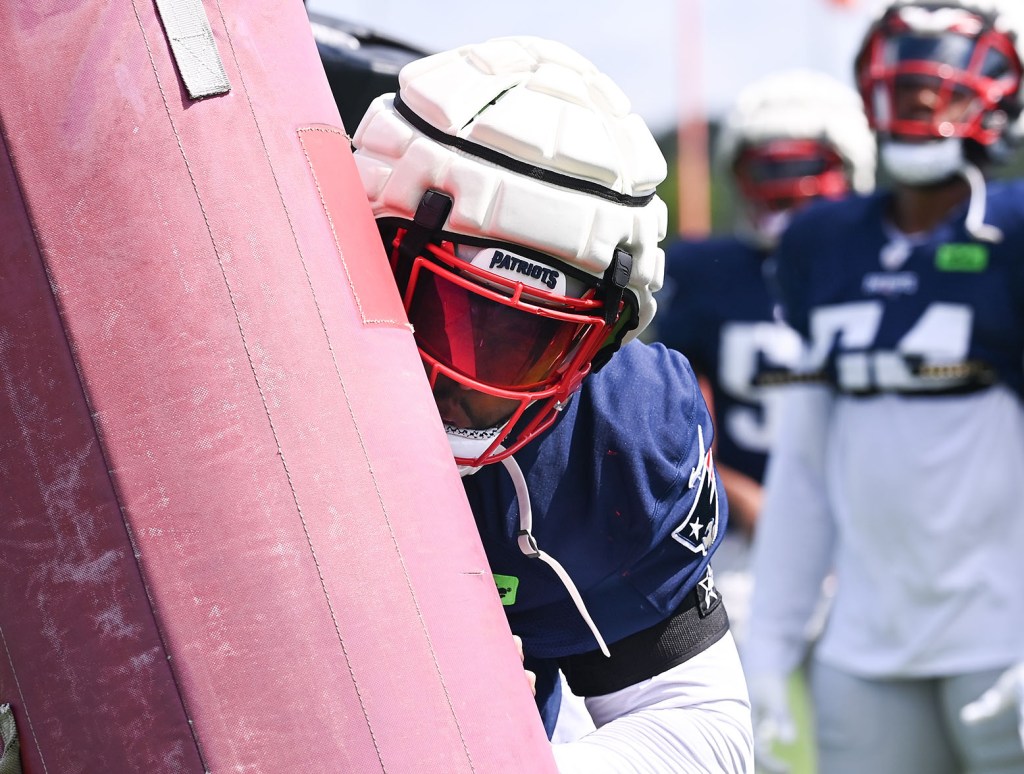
x=776, y=177
x=809, y=115
x=961, y=55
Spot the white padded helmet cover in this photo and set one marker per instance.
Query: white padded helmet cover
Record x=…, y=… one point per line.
x=534, y=102
x=799, y=104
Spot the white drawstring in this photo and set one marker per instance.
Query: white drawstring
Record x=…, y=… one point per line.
x=528, y=545
x=975, y=223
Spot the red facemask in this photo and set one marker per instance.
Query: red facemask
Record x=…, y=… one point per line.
x=937, y=84
x=779, y=175
x=495, y=342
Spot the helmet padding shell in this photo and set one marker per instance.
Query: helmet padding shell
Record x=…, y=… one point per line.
x=801, y=104
x=534, y=146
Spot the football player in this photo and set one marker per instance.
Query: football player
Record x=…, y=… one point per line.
x=791, y=137
x=515, y=194
x=901, y=471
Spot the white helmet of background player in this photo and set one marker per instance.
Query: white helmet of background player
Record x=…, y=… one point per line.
x=965, y=56
x=515, y=192
x=790, y=137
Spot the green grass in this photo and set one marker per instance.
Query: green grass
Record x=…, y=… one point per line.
x=800, y=754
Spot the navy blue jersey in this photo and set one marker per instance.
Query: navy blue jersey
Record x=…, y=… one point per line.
x=611, y=490
x=932, y=314
x=717, y=309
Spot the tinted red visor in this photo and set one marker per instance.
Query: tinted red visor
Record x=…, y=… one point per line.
x=482, y=335
x=957, y=51
x=783, y=173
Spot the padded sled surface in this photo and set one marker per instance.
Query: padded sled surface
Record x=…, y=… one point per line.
x=232, y=533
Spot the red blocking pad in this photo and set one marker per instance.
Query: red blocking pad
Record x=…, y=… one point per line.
x=231, y=531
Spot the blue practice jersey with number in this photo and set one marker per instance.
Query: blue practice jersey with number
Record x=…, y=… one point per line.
x=883, y=312
x=905, y=480
x=718, y=310
x=613, y=499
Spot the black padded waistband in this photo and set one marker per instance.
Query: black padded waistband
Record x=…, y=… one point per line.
x=643, y=655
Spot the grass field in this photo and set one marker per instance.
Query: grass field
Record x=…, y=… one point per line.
x=800, y=754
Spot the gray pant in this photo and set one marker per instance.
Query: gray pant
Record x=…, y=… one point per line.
x=909, y=726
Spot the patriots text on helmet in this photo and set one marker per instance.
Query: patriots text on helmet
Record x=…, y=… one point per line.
x=537, y=271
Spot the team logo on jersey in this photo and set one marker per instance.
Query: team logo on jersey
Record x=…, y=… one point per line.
x=890, y=283
x=700, y=527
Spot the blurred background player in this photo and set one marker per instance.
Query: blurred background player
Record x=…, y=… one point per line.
x=903, y=473
x=515, y=194
x=791, y=137
x=360, y=63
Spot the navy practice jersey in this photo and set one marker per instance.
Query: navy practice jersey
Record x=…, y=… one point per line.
x=718, y=311
x=932, y=314
x=611, y=491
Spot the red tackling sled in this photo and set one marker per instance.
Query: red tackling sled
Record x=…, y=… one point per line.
x=231, y=532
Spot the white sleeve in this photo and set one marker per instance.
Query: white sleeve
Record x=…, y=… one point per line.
x=795, y=536
x=692, y=717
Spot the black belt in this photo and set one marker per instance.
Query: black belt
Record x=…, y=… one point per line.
x=971, y=376
x=692, y=629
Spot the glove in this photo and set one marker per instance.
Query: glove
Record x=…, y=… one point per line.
x=1006, y=695
x=772, y=720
